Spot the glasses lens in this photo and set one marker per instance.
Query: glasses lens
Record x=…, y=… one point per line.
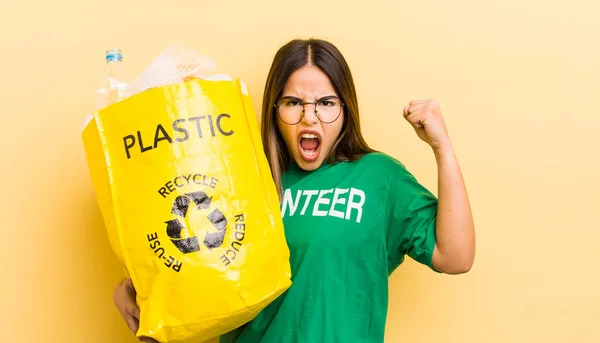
x=328, y=110
x=290, y=111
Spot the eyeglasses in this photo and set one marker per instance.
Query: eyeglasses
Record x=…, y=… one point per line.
x=291, y=110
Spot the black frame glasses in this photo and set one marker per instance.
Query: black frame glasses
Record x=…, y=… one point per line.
x=304, y=103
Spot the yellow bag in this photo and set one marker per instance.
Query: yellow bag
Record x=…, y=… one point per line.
x=190, y=206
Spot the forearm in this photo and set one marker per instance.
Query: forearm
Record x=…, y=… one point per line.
x=455, y=233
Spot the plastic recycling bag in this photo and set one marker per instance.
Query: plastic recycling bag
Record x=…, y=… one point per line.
x=189, y=204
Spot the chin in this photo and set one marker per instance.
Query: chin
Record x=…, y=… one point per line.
x=309, y=166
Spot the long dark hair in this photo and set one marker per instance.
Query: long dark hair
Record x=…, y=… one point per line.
x=350, y=145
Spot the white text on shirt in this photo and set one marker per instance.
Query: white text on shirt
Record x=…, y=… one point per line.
x=344, y=203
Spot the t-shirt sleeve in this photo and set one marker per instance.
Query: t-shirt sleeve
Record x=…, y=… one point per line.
x=412, y=211
x=232, y=336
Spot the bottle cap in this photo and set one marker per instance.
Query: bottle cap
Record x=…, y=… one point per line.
x=114, y=54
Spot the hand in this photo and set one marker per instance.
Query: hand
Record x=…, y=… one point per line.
x=426, y=118
x=124, y=298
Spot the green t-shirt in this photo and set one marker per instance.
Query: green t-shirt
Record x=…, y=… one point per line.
x=348, y=226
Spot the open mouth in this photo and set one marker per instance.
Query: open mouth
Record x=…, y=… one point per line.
x=310, y=146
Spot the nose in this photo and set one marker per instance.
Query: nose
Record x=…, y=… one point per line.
x=310, y=114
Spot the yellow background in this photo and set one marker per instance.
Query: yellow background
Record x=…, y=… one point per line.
x=518, y=85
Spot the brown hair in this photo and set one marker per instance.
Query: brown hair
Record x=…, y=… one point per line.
x=350, y=145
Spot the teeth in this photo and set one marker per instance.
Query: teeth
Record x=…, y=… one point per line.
x=308, y=135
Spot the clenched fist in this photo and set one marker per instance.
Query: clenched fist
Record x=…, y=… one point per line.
x=426, y=118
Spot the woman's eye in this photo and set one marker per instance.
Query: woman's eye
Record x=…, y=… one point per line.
x=291, y=103
x=326, y=103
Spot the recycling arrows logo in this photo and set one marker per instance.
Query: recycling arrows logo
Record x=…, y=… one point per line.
x=212, y=239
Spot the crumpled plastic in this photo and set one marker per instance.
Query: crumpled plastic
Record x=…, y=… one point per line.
x=175, y=64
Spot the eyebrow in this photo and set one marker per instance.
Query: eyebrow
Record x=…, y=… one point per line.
x=326, y=97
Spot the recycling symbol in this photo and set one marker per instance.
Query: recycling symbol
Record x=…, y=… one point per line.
x=212, y=239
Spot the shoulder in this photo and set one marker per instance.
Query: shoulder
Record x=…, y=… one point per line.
x=378, y=167
x=382, y=162
x=389, y=170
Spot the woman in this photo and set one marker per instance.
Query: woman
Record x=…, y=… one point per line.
x=351, y=214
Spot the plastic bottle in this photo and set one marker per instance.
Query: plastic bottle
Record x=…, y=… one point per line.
x=113, y=83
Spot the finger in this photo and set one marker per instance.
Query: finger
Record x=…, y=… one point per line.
x=147, y=340
x=418, y=125
x=130, y=287
x=405, y=111
x=417, y=102
x=416, y=120
x=417, y=107
x=133, y=324
x=134, y=311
